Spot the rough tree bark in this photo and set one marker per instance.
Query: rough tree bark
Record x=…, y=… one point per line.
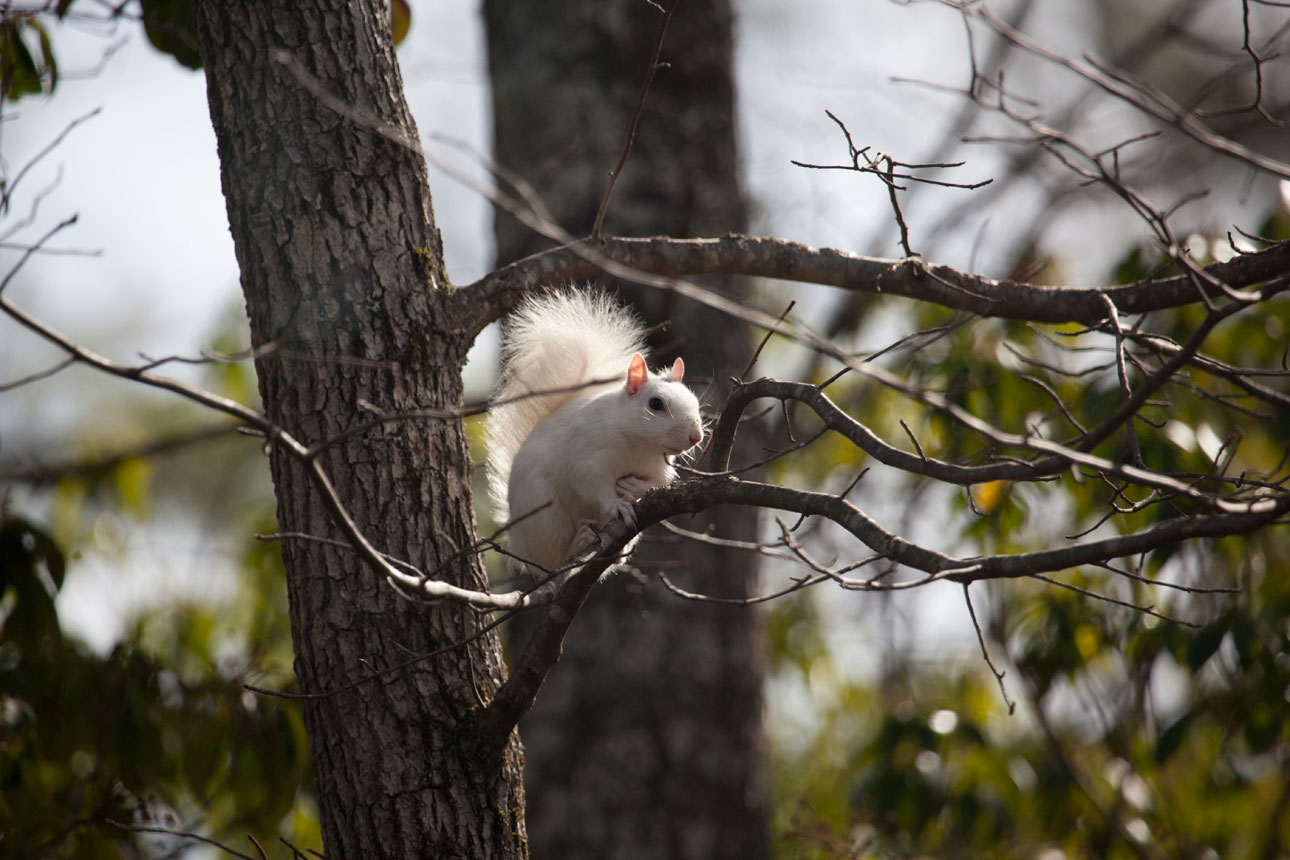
x=647, y=740
x=340, y=262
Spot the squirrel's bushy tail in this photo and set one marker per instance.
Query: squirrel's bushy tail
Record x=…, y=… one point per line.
x=553, y=342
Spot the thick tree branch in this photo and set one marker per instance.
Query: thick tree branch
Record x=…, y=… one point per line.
x=486, y=299
x=697, y=495
x=543, y=649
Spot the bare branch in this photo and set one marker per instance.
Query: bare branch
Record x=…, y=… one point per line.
x=757, y=352
x=1087, y=592
x=1130, y=89
x=838, y=421
x=798, y=585
x=980, y=638
x=7, y=192
x=516, y=696
x=196, y=837
x=38, y=375
x=49, y=473
x=29, y=250
x=1113, y=316
x=389, y=670
x=697, y=495
x=655, y=261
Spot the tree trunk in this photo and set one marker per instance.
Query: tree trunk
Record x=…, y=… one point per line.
x=341, y=269
x=646, y=740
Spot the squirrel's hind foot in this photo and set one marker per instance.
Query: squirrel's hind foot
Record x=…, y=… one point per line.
x=587, y=534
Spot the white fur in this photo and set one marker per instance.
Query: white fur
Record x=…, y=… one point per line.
x=574, y=449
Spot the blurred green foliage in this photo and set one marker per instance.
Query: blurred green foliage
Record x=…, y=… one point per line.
x=27, y=62
x=1141, y=739
x=159, y=731
x=172, y=29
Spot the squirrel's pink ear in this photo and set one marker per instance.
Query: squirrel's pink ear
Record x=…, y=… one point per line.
x=678, y=370
x=637, y=373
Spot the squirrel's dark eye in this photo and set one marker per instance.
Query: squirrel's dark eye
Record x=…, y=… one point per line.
x=656, y=403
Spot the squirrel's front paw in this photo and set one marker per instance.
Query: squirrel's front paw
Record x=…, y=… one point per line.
x=625, y=507
x=633, y=486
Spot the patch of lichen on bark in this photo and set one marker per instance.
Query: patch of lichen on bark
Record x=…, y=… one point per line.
x=431, y=269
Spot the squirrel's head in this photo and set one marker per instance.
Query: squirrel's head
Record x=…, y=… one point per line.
x=669, y=410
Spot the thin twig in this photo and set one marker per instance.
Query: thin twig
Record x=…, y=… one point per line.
x=32, y=249
x=770, y=331
x=197, y=837
x=636, y=116
x=1108, y=599
x=1113, y=316
x=380, y=673
x=41, y=473
x=38, y=375
x=980, y=638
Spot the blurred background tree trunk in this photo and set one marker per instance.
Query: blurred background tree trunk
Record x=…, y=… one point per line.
x=647, y=741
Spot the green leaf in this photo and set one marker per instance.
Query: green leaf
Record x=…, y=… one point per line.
x=133, y=479
x=1246, y=640
x=92, y=845
x=400, y=20
x=172, y=29
x=50, y=69
x=1205, y=642
x=1171, y=738
x=31, y=570
x=19, y=75
x=1277, y=226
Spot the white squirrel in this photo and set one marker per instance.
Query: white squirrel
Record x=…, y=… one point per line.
x=605, y=433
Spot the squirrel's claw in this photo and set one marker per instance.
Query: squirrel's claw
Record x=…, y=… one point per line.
x=625, y=507
x=629, y=489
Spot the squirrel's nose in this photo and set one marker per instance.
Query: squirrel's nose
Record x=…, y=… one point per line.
x=696, y=433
